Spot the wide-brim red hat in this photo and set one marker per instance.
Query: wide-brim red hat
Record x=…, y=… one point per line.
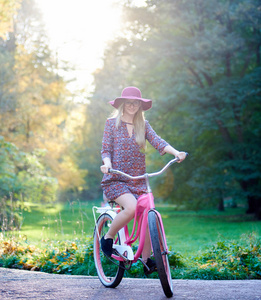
x=131, y=92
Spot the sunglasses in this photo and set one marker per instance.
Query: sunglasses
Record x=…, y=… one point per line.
x=134, y=103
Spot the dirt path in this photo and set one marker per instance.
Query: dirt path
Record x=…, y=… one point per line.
x=19, y=284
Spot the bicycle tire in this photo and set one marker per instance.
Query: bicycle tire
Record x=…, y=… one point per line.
x=109, y=270
x=160, y=253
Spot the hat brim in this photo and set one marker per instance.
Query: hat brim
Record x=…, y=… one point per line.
x=146, y=104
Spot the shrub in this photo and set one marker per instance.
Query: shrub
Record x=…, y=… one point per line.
x=229, y=260
x=60, y=257
x=175, y=259
x=224, y=260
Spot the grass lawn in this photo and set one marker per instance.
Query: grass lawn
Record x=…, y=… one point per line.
x=187, y=232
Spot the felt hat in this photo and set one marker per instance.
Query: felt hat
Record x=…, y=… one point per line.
x=131, y=92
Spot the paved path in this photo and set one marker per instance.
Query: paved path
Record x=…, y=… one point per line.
x=19, y=284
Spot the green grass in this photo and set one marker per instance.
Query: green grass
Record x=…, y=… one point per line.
x=190, y=232
x=59, y=222
x=187, y=232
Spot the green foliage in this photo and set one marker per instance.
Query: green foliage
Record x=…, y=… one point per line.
x=200, y=63
x=227, y=260
x=186, y=231
x=23, y=175
x=36, y=111
x=175, y=259
x=9, y=157
x=10, y=214
x=202, y=245
x=224, y=260
x=60, y=258
x=22, y=178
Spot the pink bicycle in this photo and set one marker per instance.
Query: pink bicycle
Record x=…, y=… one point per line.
x=111, y=269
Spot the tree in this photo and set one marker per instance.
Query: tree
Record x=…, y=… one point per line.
x=35, y=110
x=23, y=179
x=8, y=10
x=200, y=61
x=210, y=58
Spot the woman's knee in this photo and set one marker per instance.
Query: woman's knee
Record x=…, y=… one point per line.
x=131, y=211
x=129, y=203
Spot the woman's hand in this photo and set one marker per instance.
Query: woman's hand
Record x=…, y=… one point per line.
x=181, y=155
x=107, y=165
x=105, y=169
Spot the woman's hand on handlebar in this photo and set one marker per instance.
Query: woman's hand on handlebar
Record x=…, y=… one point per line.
x=181, y=155
x=104, y=169
x=106, y=166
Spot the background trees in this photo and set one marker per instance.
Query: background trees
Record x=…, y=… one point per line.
x=36, y=112
x=198, y=60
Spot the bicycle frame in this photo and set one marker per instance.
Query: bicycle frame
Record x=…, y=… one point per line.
x=145, y=203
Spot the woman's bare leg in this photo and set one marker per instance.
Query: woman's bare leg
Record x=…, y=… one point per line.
x=128, y=202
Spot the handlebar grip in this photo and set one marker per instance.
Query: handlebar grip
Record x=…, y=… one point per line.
x=178, y=159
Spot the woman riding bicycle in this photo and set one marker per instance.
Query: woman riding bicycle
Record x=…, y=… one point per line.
x=123, y=147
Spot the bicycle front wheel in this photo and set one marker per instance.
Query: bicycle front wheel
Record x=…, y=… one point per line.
x=109, y=270
x=160, y=253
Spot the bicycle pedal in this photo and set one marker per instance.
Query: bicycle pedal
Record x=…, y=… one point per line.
x=115, y=252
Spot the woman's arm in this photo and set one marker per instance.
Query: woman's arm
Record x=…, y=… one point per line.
x=161, y=145
x=107, y=146
x=181, y=155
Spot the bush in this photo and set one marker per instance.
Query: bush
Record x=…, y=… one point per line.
x=227, y=260
x=224, y=260
x=175, y=259
x=64, y=258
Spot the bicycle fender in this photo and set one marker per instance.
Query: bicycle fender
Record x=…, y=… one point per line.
x=111, y=213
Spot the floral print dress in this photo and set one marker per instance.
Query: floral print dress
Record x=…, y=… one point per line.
x=127, y=156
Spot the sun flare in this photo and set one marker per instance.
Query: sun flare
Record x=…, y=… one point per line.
x=78, y=31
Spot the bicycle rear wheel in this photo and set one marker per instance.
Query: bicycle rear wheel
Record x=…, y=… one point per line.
x=160, y=253
x=110, y=271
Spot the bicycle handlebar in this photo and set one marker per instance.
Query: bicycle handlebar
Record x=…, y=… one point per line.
x=147, y=174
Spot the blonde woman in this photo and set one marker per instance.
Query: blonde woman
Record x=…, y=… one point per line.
x=123, y=146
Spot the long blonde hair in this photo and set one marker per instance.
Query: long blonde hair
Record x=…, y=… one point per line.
x=138, y=122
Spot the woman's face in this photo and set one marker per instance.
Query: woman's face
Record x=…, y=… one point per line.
x=131, y=106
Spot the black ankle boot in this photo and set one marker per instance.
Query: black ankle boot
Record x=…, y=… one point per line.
x=152, y=267
x=106, y=246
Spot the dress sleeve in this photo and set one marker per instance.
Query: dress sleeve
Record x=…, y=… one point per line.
x=107, y=141
x=156, y=141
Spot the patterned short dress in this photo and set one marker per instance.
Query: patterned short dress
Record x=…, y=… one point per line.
x=126, y=156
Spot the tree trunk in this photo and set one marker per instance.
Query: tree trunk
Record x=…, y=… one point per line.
x=221, y=206
x=254, y=202
x=254, y=206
